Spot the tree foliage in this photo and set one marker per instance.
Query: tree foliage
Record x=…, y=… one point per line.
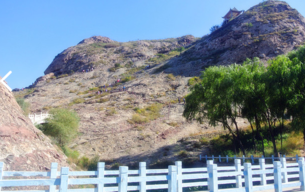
x=262, y=95
x=62, y=125
x=214, y=28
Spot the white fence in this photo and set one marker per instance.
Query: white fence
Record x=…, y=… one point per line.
x=246, y=178
x=38, y=118
x=243, y=158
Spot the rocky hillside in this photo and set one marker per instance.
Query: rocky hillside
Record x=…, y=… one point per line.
x=102, y=52
x=22, y=146
x=265, y=31
x=144, y=121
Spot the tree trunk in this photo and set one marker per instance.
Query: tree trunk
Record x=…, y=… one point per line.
x=272, y=138
x=253, y=137
x=304, y=140
x=238, y=137
x=258, y=126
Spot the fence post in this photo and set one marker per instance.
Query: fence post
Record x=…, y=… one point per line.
x=262, y=167
x=277, y=176
x=248, y=177
x=213, y=158
x=238, y=169
x=53, y=175
x=123, y=182
x=64, y=177
x=142, y=174
x=272, y=158
x=100, y=176
x=213, y=179
x=179, y=175
x=252, y=159
x=243, y=159
x=219, y=158
x=1, y=171
x=297, y=158
x=302, y=173
x=172, y=182
x=284, y=171
x=227, y=159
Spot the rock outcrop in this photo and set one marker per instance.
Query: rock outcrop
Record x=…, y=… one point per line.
x=266, y=30
x=103, y=52
x=22, y=146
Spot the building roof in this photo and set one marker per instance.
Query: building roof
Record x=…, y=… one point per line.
x=230, y=11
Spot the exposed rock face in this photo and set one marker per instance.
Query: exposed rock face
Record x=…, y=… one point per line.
x=103, y=52
x=96, y=39
x=265, y=31
x=22, y=146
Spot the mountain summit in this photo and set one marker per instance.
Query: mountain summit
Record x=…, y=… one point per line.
x=265, y=31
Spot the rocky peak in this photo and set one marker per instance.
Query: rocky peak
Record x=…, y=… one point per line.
x=96, y=39
x=265, y=31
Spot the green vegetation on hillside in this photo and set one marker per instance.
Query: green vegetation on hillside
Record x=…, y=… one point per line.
x=62, y=126
x=264, y=96
x=146, y=114
x=25, y=106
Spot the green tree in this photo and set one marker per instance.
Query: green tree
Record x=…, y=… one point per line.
x=297, y=103
x=62, y=125
x=213, y=99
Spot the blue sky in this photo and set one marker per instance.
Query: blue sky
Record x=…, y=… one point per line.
x=33, y=32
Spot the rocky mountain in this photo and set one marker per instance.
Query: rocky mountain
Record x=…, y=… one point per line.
x=265, y=31
x=127, y=98
x=103, y=53
x=22, y=146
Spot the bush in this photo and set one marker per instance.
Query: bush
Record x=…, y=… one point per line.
x=62, y=125
x=147, y=114
x=194, y=80
x=62, y=75
x=25, y=106
x=214, y=28
x=171, y=77
x=128, y=78
x=136, y=118
x=204, y=141
x=78, y=100
x=117, y=65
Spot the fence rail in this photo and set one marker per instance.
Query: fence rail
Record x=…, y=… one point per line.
x=39, y=118
x=241, y=178
x=243, y=158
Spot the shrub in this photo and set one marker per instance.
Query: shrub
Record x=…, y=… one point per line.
x=117, y=65
x=73, y=91
x=194, y=80
x=137, y=118
x=94, y=89
x=78, y=100
x=111, y=111
x=171, y=77
x=144, y=115
x=62, y=75
x=204, y=141
x=62, y=125
x=182, y=153
x=25, y=106
x=128, y=78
